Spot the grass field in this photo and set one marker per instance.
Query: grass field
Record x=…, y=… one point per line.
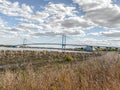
x=85, y=72
x=42, y=57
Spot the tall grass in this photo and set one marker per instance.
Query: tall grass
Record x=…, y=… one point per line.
x=100, y=73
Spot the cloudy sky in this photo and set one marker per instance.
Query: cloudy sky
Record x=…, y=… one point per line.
x=95, y=22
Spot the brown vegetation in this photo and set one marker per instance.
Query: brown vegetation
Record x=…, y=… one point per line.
x=13, y=57
x=97, y=73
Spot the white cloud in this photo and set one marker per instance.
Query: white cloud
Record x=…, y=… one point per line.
x=54, y=19
x=101, y=12
x=2, y=23
x=30, y=26
x=95, y=42
x=76, y=22
x=88, y=5
x=7, y=33
x=90, y=41
x=14, y=9
x=62, y=9
x=109, y=33
x=54, y=33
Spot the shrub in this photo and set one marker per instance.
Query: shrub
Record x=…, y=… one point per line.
x=69, y=58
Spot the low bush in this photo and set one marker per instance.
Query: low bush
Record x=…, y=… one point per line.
x=69, y=58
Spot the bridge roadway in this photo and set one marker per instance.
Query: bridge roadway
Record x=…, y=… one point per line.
x=67, y=45
x=52, y=44
x=104, y=46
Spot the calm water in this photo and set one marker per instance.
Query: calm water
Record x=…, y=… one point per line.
x=38, y=49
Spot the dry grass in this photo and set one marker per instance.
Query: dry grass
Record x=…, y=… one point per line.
x=100, y=73
x=13, y=57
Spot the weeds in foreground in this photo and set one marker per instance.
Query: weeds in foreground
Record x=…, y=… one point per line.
x=102, y=73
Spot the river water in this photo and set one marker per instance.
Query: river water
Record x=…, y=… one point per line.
x=39, y=49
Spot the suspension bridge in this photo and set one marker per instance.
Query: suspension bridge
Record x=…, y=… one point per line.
x=63, y=44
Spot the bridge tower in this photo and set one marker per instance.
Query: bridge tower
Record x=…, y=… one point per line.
x=63, y=42
x=24, y=41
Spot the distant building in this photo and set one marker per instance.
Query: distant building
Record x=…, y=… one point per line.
x=17, y=46
x=90, y=48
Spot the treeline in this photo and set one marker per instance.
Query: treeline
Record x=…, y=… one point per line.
x=99, y=49
x=107, y=49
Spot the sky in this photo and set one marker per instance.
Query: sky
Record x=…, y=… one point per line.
x=91, y=22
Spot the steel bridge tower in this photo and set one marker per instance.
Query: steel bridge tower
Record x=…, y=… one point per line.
x=63, y=42
x=24, y=41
